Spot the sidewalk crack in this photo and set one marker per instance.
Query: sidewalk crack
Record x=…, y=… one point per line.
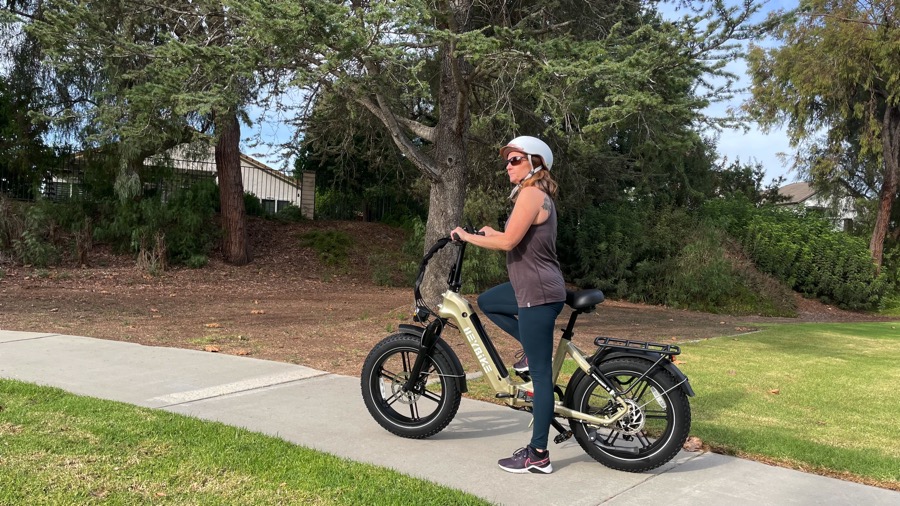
x=225, y=390
x=649, y=478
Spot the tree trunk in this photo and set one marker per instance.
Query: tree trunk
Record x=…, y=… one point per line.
x=448, y=195
x=231, y=190
x=890, y=137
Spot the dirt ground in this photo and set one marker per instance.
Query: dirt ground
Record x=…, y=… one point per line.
x=287, y=306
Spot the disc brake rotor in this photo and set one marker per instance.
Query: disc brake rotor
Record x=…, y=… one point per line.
x=633, y=421
x=397, y=390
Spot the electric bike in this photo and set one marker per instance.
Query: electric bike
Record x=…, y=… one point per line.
x=626, y=404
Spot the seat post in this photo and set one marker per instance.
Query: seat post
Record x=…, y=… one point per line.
x=569, y=331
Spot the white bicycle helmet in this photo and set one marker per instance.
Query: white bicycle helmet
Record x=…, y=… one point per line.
x=530, y=146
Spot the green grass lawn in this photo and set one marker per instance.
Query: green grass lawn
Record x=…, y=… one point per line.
x=58, y=448
x=818, y=397
x=824, y=397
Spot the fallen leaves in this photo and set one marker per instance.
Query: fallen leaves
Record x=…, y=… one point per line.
x=242, y=352
x=775, y=391
x=211, y=348
x=693, y=444
x=257, y=311
x=213, y=325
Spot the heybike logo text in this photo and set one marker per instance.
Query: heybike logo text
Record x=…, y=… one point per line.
x=479, y=351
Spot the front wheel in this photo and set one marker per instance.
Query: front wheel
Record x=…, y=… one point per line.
x=418, y=413
x=650, y=434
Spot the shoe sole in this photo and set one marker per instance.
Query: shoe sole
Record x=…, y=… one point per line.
x=531, y=469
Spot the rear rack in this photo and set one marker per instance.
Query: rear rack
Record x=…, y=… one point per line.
x=612, y=342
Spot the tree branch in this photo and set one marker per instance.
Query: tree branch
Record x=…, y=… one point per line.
x=419, y=159
x=424, y=131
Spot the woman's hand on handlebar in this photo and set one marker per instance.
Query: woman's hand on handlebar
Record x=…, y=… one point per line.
x=460, y=234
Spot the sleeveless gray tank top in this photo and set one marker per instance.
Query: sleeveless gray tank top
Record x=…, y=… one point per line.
x=533, y=266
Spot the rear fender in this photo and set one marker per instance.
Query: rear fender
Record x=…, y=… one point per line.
x=649, y=356
x=459, y=373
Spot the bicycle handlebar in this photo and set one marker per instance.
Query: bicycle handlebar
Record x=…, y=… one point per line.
x=453, y=281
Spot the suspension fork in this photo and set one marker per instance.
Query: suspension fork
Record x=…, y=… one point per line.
x=426, y=347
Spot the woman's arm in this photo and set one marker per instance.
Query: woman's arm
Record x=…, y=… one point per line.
x=524, y=214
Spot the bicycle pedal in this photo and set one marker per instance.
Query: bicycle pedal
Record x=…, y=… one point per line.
x=560, y=438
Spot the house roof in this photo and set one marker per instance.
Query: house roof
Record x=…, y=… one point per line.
x=796, y=192
x=269, y=170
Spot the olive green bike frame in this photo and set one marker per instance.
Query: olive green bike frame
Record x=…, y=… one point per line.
x=458, y=311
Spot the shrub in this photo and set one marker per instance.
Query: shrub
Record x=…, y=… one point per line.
x=333, y=205
x=290, y=213
x=11, y=222
x=197, y=261
x=186, y=220
x=711, y=274
x=332, y=246
x=36, y=243
x=598, y=247
x=804, y=251
x=626, y=249
x=253, y=205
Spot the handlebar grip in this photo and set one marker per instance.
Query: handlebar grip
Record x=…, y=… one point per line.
x=455, y=237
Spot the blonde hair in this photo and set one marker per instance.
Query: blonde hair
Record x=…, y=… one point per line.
x=542, y=179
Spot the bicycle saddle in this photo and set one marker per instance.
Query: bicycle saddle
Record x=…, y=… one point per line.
x=584, y=299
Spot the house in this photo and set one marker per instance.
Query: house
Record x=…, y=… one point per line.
x=802, y=194
x=275, y=189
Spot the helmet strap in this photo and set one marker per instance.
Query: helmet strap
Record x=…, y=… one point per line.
x=531, y=173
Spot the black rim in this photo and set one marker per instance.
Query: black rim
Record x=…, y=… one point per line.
x=631, y=433
x=408, y=408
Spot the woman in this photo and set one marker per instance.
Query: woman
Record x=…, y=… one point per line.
x=528, y=305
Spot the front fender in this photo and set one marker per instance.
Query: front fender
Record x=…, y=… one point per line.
x=459, y=373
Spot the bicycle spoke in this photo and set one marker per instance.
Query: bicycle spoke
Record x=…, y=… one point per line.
x=427, y=394
x=394, y=398
x=407, y=364
x=613, y=436
x=644, y=440
x=654, y=414
x=414, y=410
x=390, y=376
x=642, y=389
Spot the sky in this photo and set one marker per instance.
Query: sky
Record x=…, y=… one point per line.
x=755, y=145
x=752, y=146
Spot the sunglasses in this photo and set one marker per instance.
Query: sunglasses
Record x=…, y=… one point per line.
x=515, y=161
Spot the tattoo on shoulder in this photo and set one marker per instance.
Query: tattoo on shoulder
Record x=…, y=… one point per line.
x=547, y=203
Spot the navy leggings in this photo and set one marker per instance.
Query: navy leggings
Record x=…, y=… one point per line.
x=533, y=328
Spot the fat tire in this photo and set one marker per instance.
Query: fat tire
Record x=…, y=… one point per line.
x=678, y=417
x=441, y=370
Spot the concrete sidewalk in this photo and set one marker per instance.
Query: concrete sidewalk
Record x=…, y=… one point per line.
x=326, y=412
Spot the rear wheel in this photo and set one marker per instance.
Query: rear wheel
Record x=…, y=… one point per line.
x=418, y=413
x=655, y=427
